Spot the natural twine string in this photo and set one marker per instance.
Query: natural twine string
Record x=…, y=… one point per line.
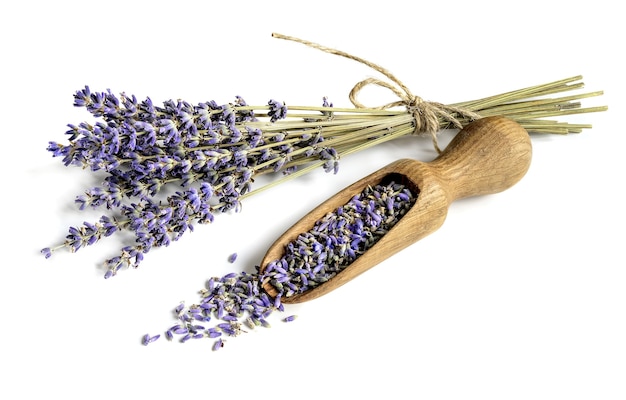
x=427, y=114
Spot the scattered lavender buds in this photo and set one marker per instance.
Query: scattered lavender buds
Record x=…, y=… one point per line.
x=228, y=306
x=237, y=301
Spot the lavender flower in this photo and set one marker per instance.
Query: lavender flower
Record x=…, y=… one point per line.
x=212, y=152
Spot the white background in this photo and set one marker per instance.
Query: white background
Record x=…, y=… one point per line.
x=519, y=295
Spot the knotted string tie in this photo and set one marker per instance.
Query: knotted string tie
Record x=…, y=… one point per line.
x=428, y=116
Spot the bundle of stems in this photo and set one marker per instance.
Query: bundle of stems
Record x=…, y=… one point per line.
x=350, y=130
x=211, y=153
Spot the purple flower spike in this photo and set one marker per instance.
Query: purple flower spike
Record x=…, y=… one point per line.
x=208, y=150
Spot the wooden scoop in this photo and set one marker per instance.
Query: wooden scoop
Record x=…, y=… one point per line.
x=488, y=156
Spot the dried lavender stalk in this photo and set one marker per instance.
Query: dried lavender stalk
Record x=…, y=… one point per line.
x=238, y=301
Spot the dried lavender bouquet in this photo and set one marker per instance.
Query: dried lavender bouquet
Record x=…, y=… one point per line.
x=210, y=153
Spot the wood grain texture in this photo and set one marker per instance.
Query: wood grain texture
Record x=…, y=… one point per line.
x=487, y=156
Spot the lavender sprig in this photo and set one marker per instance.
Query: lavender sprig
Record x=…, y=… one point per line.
x=212, y=152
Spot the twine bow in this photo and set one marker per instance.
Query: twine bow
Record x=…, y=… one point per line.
x=428, y=116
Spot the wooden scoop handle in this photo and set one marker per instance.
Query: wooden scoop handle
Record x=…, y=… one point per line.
x=488, y=156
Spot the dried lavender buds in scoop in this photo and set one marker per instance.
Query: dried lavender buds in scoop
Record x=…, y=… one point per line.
x=338, y=239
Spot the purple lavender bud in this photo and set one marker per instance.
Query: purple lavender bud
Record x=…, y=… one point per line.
x=277, y=110
x=212, y=333
x=277, y=303
x=218, y=344
x=223, y=325
x=181, y=331
x=403, y=197
x=147, y=339
x=290, y=318
x=229, y=331
x=46, y=252
x=81, y=201
x=232, y=258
